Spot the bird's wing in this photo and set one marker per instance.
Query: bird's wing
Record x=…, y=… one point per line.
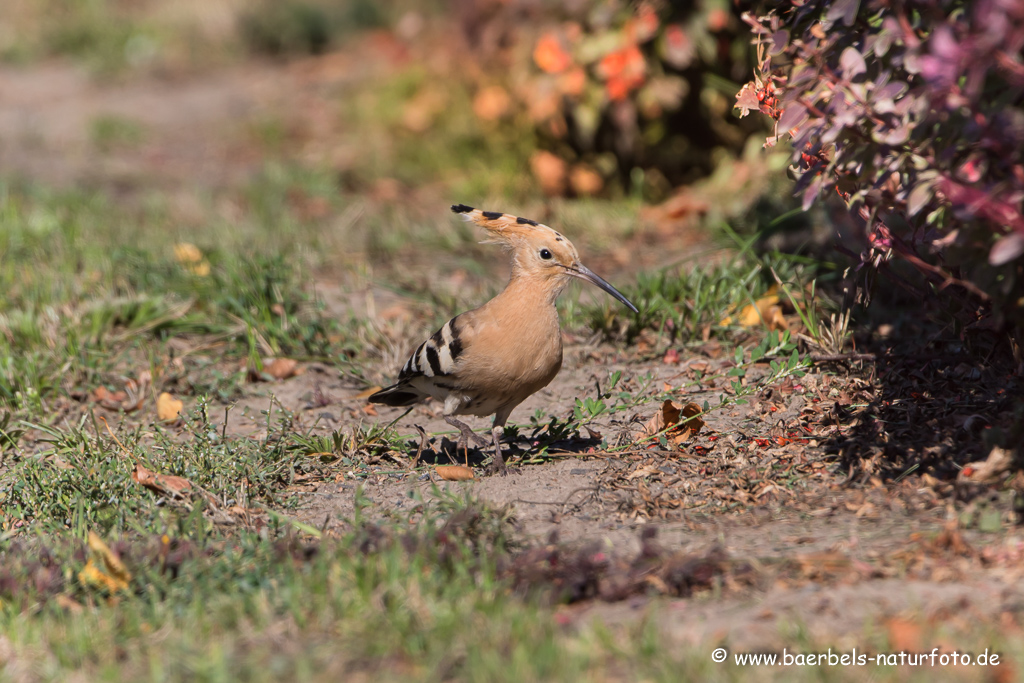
x=438, y=356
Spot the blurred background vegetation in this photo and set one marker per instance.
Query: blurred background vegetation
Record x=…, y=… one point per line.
x=508, y=99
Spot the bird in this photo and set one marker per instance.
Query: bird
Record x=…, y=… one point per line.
x=489, y=360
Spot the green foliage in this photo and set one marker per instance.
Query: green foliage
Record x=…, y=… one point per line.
x=294, y=27
x=687, y=302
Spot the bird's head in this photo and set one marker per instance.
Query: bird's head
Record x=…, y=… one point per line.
x=537, y=251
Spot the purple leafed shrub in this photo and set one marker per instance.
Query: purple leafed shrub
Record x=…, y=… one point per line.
x=913, y=113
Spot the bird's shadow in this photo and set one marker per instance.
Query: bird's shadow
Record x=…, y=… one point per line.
x=515, y=448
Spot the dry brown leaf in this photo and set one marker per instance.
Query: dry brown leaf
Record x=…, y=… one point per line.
x=454, y=472
x=666, y=417
x=281, y=368
x=166, y=484
x=370, y=410
x=168, y=408
x=136, y=392
x=110, y=574
x=111, y=400
x=367, y=393
x=682, y=422
x=644, y=471
x=989, y=470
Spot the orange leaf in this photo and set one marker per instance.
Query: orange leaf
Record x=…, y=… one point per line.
x=168, y=408
x=644, y=25
x=904, y=634
x=573, y=81
x=551, y=172
x=491, y=103
x=367, y=393
x=454, y=472
x=550, y=55
x=585, y=181
x=281, y=368
x=166, y=484
x=624, y=70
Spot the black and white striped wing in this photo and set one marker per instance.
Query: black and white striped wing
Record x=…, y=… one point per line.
x=436, y=356
x=425, y=373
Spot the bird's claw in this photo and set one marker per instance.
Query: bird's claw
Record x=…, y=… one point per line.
x=496, y=468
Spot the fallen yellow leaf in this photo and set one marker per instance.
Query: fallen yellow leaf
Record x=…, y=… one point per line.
x=454, y=472
x=766, y=310
x=189, y=256
x=186, y=252
x=168, y=408
x=112, y=576
x=92, y=576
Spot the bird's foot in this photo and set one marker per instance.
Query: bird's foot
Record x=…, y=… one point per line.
x=422, y=446
x=497, y=466
x=466, y=433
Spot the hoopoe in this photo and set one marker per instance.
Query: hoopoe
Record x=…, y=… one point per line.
x=489, y=360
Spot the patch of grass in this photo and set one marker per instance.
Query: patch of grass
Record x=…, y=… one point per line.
x=110, y=132
x=81, y=478
x=295, y=27
x=88, y=282
x=113, y=38
x=693, y=303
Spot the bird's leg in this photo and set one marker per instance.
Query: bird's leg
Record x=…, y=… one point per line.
x=498, y=464
x=465, y=434
x=423, y=445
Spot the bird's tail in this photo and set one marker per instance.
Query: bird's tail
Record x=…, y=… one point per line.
x=397, y=395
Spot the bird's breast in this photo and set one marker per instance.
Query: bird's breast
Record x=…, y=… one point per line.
x=511, y=357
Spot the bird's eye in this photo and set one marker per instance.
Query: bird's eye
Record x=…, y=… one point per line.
x=545, y=254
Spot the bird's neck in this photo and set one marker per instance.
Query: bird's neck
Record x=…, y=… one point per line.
x=532, y=290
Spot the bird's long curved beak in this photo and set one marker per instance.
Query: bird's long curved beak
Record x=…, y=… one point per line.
x=584, y=273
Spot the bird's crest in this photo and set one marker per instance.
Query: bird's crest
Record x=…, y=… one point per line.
x=506, y=229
